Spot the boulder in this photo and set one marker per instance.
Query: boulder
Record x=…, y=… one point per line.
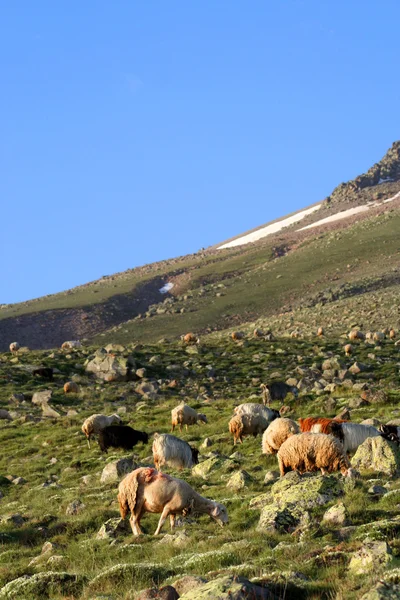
x=239, y=480
x=107, y=367
x=336, y=515
x=165, y=593
x=5, y=415
x=188, y=583
x=210, y=465
x=49, y=412
x=377, y=454
x=306, y=491
x=372, y=556
x=383, y=591
x=228, y=587
x=148, y=389
x=117, y=469
x=40, y=398
x=43, y=585
x=274, y=519
x=111, y=528
x=75, y=507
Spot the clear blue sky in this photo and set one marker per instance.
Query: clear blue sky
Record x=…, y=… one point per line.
x=133, y=131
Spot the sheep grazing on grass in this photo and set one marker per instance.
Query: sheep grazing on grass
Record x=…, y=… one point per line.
x=355, y=335
x=320, y=331
x=257, y=333
x=256, y=409
x=185, y=415
x=170, y=450
x=146, y=490
x=121, y=436
x=378, y=336
x=247, y=424
x=96, y=423
x=237, y=335
x=14, y=347
x=348, y=349
x=190, y=338
x=71, y=344
x=390, y=433
x=71, y=387
x=44, y=372
x=278, y=390
x=392, y=334
x=276, y=433
x=307, y=452
x=354, y=434
x=323, y=425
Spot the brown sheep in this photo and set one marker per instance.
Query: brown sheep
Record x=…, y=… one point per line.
x=237, y=335
x=14, y=347
x=278, y=432
x=392, y=334
x=190, y=338
x=71, y=388
x=257, y=333
x=355, y=335
x=320, y=331
x=348, y=348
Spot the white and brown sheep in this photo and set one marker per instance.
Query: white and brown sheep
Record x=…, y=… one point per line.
x=320, y=331
x=392, y=334
x=190, y=338
x=307, y=452
x=256, y=409
x=71, y=344
x=348, y=349
x=70, y=387
x=378, y=336
x=147, y=490
x=247, y=424
x=277, y=433
x=174, y=452
x=355, y=335
x=14, y=347
x=257, y=333
x=237, y=335
x=185, y=415
x=96, y=423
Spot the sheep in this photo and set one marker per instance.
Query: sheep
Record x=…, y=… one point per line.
x=45, y=372
x=247, y=424
x=306, y=452
x=170, y=450
x=320, y=331
x=392, y=334
x=256, y=409
x=14, y=347
x=278, y=390
x=355, y=335
x=390, y=432
x=355, y=434
x=237, y=335
x=295, y=334
x=71, y=344
x=323, y=425
x=276, y=433
x=71, y=387
x=378, y=336
x=348, y=349
x=369, y=335
x=146, y=490
x=183, y=414
x=190, y=338
x=121, y=436
x=96, y=423
x=257, y=333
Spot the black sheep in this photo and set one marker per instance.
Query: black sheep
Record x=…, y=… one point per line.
x=278, y=390
x=45, y=372
x=121, y=436
x=195, y=455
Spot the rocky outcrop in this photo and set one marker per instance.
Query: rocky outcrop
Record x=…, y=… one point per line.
x=43, y=585
x=377, y=454
x=108, y=367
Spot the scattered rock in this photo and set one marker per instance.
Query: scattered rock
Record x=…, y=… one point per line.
x=371, y=557
x=108, y=367
x=336, y=515
x=115, y=470
x=75, y=507
x=239, y=480
x=377, y=454
x=111, y=528
x=40, y=398
x=43, y=585
x=165, y=593
x=228, y=587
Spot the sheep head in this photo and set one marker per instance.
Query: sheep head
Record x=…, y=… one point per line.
x=220, y=514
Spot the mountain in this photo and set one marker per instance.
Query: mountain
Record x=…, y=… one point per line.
x=326, y=264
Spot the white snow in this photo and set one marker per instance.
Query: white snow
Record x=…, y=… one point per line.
x=165, y=288
x=273, y=228
x=385, y=180
x=337, y=217
x=392, y=198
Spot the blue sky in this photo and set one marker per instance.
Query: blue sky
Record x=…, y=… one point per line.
x=136, y=131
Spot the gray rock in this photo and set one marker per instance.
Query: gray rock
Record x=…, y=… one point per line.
x=336, y=515
x=111, y=528
x=377, y=454
x=371, y=557
x=188, y=583
x=107, y=367
x=239, y=480
x=117, y=469
x=49, y=412
x=228, y=587
x=43, y=585
x=75, y=507
x=207, y=443
x=40, y=398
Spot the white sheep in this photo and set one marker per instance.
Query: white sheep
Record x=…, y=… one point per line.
x=355, y=334
x=146, y=490
x=254, y=408
x=96, y=423
x=185, y=415
x=306, y=452
x=170, y=450
x=247, y=424
x=355, y=434
x=378, y=336
x=14, y=347
x=277, y=433
x=71, y=344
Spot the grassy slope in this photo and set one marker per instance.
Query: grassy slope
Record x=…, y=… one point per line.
x=30, y=450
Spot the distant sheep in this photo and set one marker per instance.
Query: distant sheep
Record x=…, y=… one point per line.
x=71, y=344
x=257, y=333
x=96, y=423
x=295, y=334
x=71, y=387
x=185, y=415
x=392, y=334
x=278, y=390
x=14, y=347
x=44, y=372
x=348, y=349
x=276, y=433
x=307, y=452
x=355, y=335
x=146, y=490
x=190, y=338
x=320, y=331
x=256, y=409
x=378, y=336
x=237, y=335
x=170, y=450
x=121, y=436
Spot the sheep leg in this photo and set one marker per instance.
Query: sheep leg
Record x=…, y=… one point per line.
x=88, y=440
x=187, y=427
x=134, y=521
x=162, y=520
x=172, y=521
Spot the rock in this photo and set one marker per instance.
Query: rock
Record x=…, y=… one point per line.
x=115, y=470
x=141, y=372
x=207, y=443
x=374, y=422
x=43, y=585
x=270, y=477
x=371, y=557
x=165, y=593
x=360, y=387
x=18, y=480
x=336, y=515
x=306, y=491
x=383, y=591
x=332, y=364
x=107, y=367
x=16, y=398
x=49, y=412
x=377, y=454
x=377, y=490
x=111, y=528
x=17, y=520
x=274, y=519
x=207, y=467
x=188, y=583
x=228, y=587
x=5, y=415
x=357, y=403
x=239, y=480
x=357, y=367
x=114, y=348
x=344, y=415
x=75, y=507
x=148, y=389
x=40, y=398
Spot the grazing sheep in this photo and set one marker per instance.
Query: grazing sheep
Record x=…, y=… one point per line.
x=96, y=423
x=237, y=335
x=146, y=490
x=355, y=334
x=185, y=415
x=71, y=344
x=170, y=450
x=320, y=331
x=323, y=425
x=71, y=387
x=355, y=434
x=278, y=390
x=258, y=333
x=392, y=334
x=121, y=436
x=390, y=432
x=378, y=336
x=256, y=409
x=306, y=452
x=348, y=349
x=14, y=347
x=247, y=424
x=276, y=433
x=45, y=372
x=190, y=338
x=369, y=335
